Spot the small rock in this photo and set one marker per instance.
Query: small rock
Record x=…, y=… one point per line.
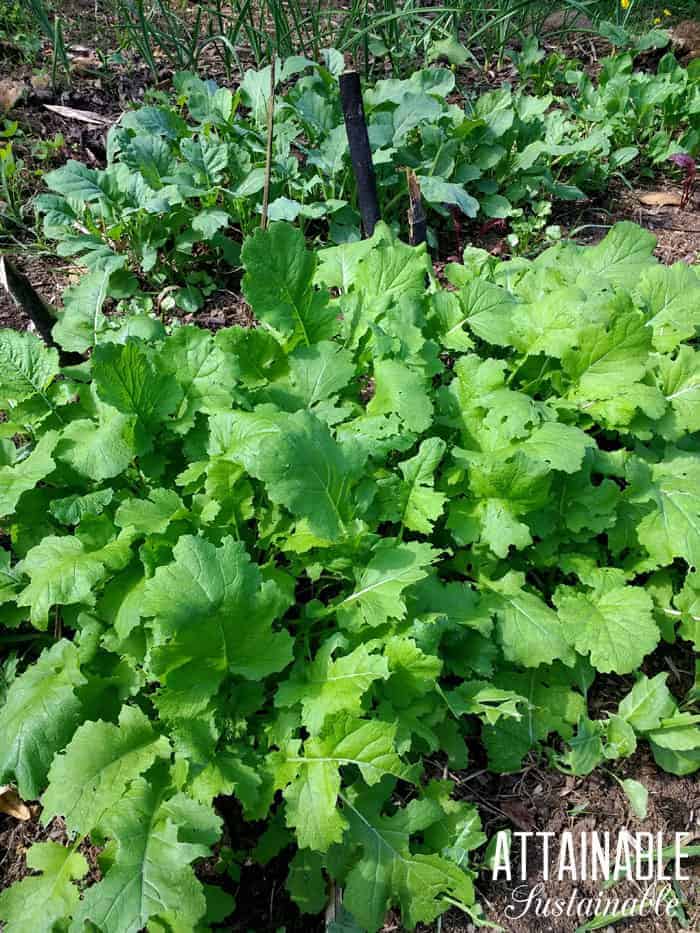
x=10, y=93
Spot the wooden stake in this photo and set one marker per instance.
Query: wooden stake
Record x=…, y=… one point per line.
x=268, y=152
x=360, y=152
x=417, y=222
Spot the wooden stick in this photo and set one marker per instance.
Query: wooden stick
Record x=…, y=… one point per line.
x=360, y=152
x=268, y=152
x=22, y=292
x=417, y=221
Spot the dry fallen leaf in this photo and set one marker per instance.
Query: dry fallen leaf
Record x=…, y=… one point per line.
x=12, y=804
x=84, y=116
x=661, y=198
x=10, y=93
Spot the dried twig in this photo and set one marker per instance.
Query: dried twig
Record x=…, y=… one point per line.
x=417, y=222
x=268, y=152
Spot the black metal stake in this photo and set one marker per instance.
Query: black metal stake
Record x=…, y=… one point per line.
x=360, y=152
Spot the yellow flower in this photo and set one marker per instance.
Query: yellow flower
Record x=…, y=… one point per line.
x=667, y=12
x=624, y=4
x=657, y=20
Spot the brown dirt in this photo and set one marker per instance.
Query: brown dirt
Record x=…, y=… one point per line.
x=17, y=836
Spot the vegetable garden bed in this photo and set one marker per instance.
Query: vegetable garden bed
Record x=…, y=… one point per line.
x=327, y=561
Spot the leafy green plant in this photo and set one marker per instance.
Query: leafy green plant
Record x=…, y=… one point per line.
x=654, y=114
x=18, y=30
x=184, y=181
x=300, y=563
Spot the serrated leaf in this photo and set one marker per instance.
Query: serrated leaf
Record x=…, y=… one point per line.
x=157, y=836
x=20, y=478
x=279, y=285
x=378, y=595
x=99, y=763
x=39, y=716
x=27, y=365
x=221, y=622
x=46, y=900
x=61, y=573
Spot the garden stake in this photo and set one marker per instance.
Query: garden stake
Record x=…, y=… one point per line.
x=268, y=151
x=417, y=221
x=360, y=152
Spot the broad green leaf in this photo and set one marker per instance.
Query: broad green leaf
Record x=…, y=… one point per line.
x=303, y=469
x=99, y=763
x=126, y=378
x=379, y=592
x=402, y=391
x=157, y=836
x=613, y=623
x=152, y=515
x=27, y=366
x=647, y=703
x=98, y=450
x=608, y=358
x=421, y=504
x=279, y=285
x=670, y=299
x=672, y=527
x=39, y=716
x=622, y=256
x=23, y=476
x=81, y=322
x=61, y=573
x=390, y=873
x=220, y=622
x=312, y=796
x=46, y=900
x=331, y=685
x=529, y=632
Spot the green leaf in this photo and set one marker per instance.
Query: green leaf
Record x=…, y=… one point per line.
x=209, y=222
x=638, y=796
x=81, y=323
x=76, y=182
x=329, y=686
x=279, y=285
x=529, y=632
x=402, y=391
x=312, y=796
x=152, y=515
x=302, y=468
x=61, y=573
x=390, y=873
x=622, y=256
x=421, y=504
x=98, y=450
x=379, y=593
x=672, y=527
x=647, y=703
x=611, y=622
x=220, y=622
x=27, y=365
x=149, y=876
x=101, y=760
x=18, y=479
x=45, y=900
x=39, y=716
x=126, y=378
